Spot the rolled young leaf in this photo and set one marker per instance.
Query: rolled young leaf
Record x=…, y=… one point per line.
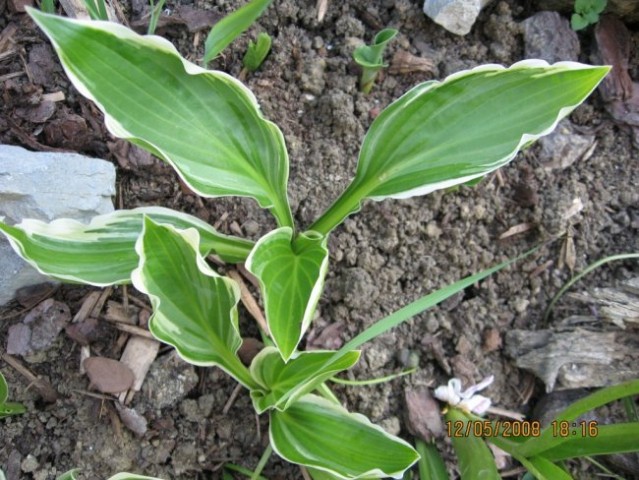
x=291, y=275
x=194, y=308
x=282, y=383
x=103, y=252
x=322, y=435
x=205, y=124
x=442, y=134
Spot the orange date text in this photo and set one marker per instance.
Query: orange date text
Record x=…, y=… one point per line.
x=487, y=428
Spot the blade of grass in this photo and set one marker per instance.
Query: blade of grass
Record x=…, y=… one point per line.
x=547, y=440
x=418, y=306
x=231, y=26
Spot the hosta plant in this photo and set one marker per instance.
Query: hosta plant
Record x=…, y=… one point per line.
x=208, y=127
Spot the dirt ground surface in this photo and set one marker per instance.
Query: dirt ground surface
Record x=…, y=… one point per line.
x=382, y=258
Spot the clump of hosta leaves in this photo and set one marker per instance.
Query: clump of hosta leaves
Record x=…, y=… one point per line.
x=209, y=128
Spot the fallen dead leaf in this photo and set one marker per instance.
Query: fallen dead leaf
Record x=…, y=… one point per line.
x=404, y=62
x=108, y=375
x=424, y=418
x=132, y=420
x=516, y=230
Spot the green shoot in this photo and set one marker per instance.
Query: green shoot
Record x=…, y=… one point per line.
x=586, y=13
x=156, y=11
x=231, y=26
x=256, y=52
x=97, y=9
x=369, y=57
x=373, y=381
x=47, y=6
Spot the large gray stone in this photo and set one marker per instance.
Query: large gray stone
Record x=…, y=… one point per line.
x=46, y=186
x=456, y=16
x=548, y=36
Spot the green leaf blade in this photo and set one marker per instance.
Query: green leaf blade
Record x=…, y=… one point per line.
x=194, y=309
x=476, y=462
x=291, y=273
x=102, y=252
x=617, y=438
x=324, y=436
x=283, y=383
x=442, y=134
x=205, y=124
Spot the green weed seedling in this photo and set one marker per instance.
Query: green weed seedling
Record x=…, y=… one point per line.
x=369, y=58
x=540, y=449
x=8, y=408
x=586, y=13
x=256, y=52
x=208, y=126
x=231, y=26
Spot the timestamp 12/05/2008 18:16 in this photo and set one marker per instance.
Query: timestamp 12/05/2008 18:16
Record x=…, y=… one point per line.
x=487, y=428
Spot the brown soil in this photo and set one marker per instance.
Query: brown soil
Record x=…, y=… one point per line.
x=381, y=259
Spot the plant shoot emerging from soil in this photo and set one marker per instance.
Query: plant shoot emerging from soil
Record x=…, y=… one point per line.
x=369, y=58
x=208, y=127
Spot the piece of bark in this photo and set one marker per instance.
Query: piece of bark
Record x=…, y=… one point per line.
x=619, y=92
x=618, y=305
x=575, y=359
x=138, y=355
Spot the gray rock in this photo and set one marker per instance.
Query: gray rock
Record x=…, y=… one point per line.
x=564, y=146
x=456, y=16
x=46, y=186
x=548, y=36
x=169, y=381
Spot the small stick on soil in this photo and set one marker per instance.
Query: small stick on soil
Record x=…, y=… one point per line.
x=506, y=413
x=249, y=302
x=48, y=393
x=140, y=303
x=132, y=329
x=248, y=275
x=88, y=304
x=98, y=396
x=258, y=428
x=232, y=398
x=101, y=301
x=305, y=474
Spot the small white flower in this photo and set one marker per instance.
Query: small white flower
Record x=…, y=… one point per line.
x=467, y=400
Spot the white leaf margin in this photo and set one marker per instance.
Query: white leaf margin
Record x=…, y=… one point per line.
x=69, y=229
x=161, y=44
x=318, y=287
x=192, y=237
x=526, y=138
x=374, y=473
